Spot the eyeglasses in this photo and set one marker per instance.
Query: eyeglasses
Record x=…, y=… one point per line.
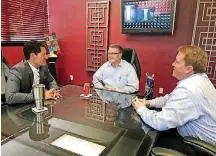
x=113, y=53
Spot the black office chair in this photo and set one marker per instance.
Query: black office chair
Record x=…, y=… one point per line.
x=130, y=56
x=160, y=151
x=200, y=147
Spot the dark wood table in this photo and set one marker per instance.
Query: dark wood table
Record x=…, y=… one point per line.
x=106, y=119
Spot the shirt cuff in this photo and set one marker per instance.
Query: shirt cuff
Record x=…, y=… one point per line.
x=152, y=103
x=141, y=109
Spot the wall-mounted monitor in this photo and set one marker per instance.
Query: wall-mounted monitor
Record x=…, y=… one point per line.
x=147, y=16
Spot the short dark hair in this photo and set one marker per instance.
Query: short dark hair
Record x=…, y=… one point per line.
x=117, y=46
x=32, y=46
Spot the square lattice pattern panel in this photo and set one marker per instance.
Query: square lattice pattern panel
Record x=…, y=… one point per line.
x=97, y=17
x=204, y=33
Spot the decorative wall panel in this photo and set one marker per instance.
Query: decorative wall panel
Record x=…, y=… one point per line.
x=97, y=19
x=204, y=33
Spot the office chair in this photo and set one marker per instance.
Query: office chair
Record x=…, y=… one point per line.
x=160, y=151
x=130, y=56
x=201, y=147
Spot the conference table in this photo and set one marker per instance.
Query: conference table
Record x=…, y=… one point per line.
x=104, y=123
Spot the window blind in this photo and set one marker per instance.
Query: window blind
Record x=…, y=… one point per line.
x=23, y=20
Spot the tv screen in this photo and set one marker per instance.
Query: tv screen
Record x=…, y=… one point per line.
x=148, y=16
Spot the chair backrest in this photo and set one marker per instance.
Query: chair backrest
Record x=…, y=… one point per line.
x=130, y=56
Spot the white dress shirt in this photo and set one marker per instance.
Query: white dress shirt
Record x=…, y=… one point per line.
x=36, y=74
x=191, y=107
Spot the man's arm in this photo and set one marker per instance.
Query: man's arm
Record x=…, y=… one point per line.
x=98, y=77
x=158, y=102
x=132, y=82
x=176, y=112
x=13, y=94
x=51, y=82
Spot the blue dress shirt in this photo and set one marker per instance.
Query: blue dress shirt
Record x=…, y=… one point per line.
x=123, y=77
x=191, y=107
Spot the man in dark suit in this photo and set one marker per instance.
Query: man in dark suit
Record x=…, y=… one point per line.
x=31, y=71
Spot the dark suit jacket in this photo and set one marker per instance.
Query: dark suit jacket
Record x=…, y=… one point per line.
x=20, y=81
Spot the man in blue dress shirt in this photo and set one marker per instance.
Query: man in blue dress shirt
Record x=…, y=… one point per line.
x=116, y=74
x=191, y=106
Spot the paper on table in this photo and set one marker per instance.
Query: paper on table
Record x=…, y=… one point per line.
x=78, y=146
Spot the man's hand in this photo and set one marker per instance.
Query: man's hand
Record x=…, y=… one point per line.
x=52, y=94
x=111, y=89
x=137, y=103
x=49, y=94
x=50, y=102
x=144, y=101
x=57, y=94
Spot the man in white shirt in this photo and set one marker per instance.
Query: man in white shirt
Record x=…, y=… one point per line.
x=191, y=106
x=116, y=74
x=33, y=70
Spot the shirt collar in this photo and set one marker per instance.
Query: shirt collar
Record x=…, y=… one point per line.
x=191, y=76
x=32, y=67
x=120, y=64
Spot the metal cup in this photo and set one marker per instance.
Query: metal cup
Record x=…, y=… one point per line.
x=39, y=95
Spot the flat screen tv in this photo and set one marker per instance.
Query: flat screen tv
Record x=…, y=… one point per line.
x=148, y=16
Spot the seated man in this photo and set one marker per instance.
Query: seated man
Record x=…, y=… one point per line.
x=31, y=71
x=191, y=106
x=116, y=74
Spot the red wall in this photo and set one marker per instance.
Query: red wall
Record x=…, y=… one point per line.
x=156, y=53
x=13, y=54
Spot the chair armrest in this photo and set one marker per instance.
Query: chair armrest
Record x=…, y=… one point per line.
x=159, y=151
x=200, y=144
